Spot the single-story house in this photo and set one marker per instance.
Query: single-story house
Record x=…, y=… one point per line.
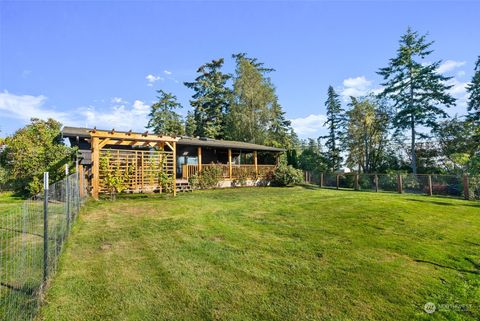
x=144, y=155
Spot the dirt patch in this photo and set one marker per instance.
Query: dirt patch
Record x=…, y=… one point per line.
x=105, y=246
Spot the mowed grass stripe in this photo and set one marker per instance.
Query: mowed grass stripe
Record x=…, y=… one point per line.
x=270, y=254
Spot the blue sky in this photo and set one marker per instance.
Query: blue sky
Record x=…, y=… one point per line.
x=98, y=63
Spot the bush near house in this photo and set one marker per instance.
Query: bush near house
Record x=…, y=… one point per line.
x=287, y=175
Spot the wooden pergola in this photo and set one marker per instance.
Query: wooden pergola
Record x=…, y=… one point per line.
x=100, y=139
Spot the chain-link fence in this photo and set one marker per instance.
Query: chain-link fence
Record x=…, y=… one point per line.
x=31, y=239
x=440, y=185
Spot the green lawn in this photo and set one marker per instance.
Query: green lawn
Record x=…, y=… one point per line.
x=271, y=254
x=9, y=201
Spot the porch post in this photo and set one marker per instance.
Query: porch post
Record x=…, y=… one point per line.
x=230, y=163
x=95, y=167
x=199, y=158
x=255, y=161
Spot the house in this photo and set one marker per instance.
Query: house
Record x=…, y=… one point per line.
x=143, y=156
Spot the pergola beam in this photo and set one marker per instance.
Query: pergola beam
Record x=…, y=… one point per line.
x=133, y=136
x=100, y=139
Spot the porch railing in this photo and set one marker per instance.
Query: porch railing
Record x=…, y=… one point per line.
x=248, y=171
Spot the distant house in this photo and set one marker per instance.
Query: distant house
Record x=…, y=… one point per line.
x=145, y=155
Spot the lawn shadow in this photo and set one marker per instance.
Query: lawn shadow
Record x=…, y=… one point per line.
x=309, y=186
x=438, y=202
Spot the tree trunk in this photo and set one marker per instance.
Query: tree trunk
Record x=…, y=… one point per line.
x=414, y=154
x=412, y=123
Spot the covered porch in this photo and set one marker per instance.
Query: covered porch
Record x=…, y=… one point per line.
x=241, y=162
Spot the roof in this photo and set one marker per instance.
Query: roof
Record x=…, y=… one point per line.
x=188, y=141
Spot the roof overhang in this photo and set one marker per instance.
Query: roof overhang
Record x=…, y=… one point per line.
x=124, y=138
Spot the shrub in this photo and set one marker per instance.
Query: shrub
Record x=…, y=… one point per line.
x=209, y=178
x=241, y=180
x=286, y=175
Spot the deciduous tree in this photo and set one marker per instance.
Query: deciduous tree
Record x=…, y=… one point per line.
x=253, y=101
x=366, y=135
x=34, y=149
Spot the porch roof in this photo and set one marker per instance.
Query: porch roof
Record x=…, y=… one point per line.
x=72, y=132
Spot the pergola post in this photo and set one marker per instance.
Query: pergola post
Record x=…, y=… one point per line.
x=81, y=180
x=255, y=162
x=199, y=158
x=95, y=167
x=174, y=145
x=230, y=163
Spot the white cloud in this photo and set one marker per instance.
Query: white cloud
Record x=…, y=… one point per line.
x=459, y=92
x=449, y=65
x=24, y=107
x=118, y=100
x=356, y=87
x=310, y=126
x=167, y=72
x=120, y=115
x=152, y=79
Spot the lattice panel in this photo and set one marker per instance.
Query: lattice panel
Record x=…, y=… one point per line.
x=141, y=169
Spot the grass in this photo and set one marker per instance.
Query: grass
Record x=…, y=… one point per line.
x=21, y=252
x=8, y=201
x=271, y=254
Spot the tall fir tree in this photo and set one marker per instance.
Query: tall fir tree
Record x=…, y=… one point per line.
x=280, y=129
x=334, y=123
x=190, y=124
x=210, y=100
x=416, y=89
x=473, y=90
x=163, y=116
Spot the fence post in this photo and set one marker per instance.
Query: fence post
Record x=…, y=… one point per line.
x=466, y=189
x=67, y=198
x=399, y=183
x=321, y=179
x=376, y=183
x=338, y=181
x=45, y=226
x=430, y=189
x=356, y=182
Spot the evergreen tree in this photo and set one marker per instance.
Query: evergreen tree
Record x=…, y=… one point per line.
x=163, y=117
x=334, y=123
x=279, y=131
x=415, y=88
x=190, y=125
x=211, y=99
x=253, y=101
x=474, y=95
